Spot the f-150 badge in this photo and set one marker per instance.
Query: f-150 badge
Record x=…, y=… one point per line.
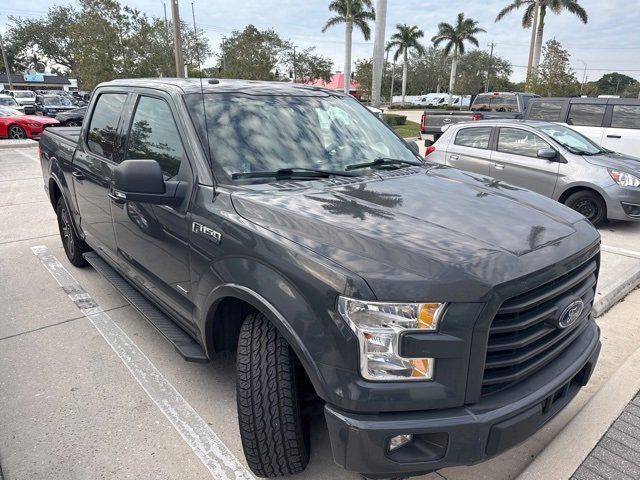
x=206, y=231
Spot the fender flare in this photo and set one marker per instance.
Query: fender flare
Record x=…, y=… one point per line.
x=261, y=304
x=53, y=177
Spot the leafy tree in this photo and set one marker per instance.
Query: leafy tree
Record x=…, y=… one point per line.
x=352, y=13
x=632, y=91
x=454, y=38
x=614, y=83
x=405, y=39
x=428, y=72
x=555, y=6
x=252, y=54
x=307, y=65
x=555, y=78
x=473, y=68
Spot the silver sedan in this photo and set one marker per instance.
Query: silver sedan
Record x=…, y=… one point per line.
x=549, y=159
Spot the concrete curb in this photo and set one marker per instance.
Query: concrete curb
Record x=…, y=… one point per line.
x=17, y=144
x=562, y=456
x=616, y=292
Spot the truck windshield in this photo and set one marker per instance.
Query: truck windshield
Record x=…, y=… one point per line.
x=490, y=102
x=571, y=140
x=266, y=133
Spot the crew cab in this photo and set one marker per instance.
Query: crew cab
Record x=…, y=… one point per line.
x=435, y=317
x=486, y=106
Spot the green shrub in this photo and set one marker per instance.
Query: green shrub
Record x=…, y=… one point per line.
x=394, y=119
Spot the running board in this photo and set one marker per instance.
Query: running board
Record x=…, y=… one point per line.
x=184, y=344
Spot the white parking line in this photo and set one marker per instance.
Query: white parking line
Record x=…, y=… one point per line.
x=620, y=251
x=214, y=454
x=30, y=155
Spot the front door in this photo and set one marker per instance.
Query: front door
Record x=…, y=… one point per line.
x=516, y=161
x=92, y=172
x=153, y=240
x=469, y=150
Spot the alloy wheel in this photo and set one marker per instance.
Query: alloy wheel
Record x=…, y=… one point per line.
x=17, y=133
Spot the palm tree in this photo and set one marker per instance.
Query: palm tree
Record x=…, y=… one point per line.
x=455, y=37
x=539, y=8
x=351, y=12
x=406, y=38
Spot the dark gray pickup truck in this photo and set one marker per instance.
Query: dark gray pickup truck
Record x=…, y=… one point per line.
x=486, y=106
x=433, y=316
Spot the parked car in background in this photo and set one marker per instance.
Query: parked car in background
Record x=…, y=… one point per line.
x=26, y=98
x=18, y=126
x=485, y=106
x=549, y=159
x=51, y=105
x=9, y=101
x=611, y=122
x=72, y=118
x=431, y=318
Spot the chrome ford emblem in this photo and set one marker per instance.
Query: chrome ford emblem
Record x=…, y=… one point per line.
x=571, y=314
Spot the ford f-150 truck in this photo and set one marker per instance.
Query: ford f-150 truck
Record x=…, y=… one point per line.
x=434, y=316
x=486, y=106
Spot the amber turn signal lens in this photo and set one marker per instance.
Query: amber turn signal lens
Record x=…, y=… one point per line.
x=427, y=316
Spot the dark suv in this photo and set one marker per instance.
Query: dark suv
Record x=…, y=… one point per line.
x=437, y=317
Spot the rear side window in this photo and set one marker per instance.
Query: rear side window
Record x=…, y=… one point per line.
x=103, y=128
x=154, y=136
x=477, y=137
x=520, y=142
x=495, y=103
x=626, y=116
x=586, y=115
x=547, y=111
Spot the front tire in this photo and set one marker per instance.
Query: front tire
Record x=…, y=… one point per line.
x=16, y=132
x=271, y=427
x=589, y=204
x=74, y=246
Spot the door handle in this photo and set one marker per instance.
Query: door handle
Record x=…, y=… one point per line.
x=118, y=198
x=77, y=175
x=614, y=136
x=499, y=166
x=454, y=157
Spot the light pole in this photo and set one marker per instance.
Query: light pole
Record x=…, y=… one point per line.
x=6, y=63
x=584, y=76
x=177, y=39
x=378, y=52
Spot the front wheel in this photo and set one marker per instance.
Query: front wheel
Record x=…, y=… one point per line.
x=74, y=246
x=589, y=204
x=274, y=441
x=16, y=132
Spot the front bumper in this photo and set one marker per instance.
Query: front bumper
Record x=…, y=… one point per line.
x=464, y=435
x=623, y=203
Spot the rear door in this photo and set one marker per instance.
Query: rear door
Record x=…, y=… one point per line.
x=469, y=150
x=516, y=161
x=98, y=152
x=153, y=240
x=623, y=134
x=588, y=119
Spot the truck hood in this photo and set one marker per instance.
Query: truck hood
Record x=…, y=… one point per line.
x=615, y=160
x=437, y=224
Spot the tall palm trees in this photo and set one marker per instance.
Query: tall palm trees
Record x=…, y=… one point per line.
x=406, y=38
x=537, y=9
x=352, y=13
x=454, y=38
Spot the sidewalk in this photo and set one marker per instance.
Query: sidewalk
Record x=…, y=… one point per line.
x=4, y=143
x=617, y=454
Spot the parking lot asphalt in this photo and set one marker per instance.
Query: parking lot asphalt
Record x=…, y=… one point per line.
x=74, y=406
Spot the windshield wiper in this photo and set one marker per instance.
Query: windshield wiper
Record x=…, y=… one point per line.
x=297, y=172
x=378, y=162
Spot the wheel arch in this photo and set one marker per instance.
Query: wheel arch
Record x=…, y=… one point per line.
x=570, y=190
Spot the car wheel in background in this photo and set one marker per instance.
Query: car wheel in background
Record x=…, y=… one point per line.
x=16, y=132
x=74, y=247
x=274, y=439
x=589, y=204
x=72, y=123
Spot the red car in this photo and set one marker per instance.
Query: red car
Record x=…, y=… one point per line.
x=17, y=125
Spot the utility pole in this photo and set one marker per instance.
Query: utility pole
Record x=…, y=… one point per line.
x=486, y=87
x=378, y=53
x=295, y=77
x=584, y=76
x=177, y=39
x=393, y=78
x=6, y=64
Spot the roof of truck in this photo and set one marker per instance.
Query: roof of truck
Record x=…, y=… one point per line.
x=210, y=85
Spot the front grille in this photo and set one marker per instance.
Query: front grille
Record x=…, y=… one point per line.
x=522, y=337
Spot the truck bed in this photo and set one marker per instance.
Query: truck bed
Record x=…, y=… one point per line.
x=68, y=134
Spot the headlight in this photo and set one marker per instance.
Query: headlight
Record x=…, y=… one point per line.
x=378, y=326
x=34, y=125
x=624, y=179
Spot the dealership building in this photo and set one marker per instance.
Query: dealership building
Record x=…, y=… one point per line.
x=35, y=81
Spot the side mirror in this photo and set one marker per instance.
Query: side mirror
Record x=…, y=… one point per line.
x=142, y=181
x=413, y=146
x=547, y=153
x=428, y=143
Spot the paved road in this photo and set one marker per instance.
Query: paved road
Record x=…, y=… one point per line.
x=105, y=396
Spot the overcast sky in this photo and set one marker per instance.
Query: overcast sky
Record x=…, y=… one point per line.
x=609, y=42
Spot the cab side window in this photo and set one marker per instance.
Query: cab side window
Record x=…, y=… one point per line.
x=586, y=115
x=476, y=137
x=154, y=135
x=544, y=110
x=103, y=129
x=626, y=116
x=520, y=142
